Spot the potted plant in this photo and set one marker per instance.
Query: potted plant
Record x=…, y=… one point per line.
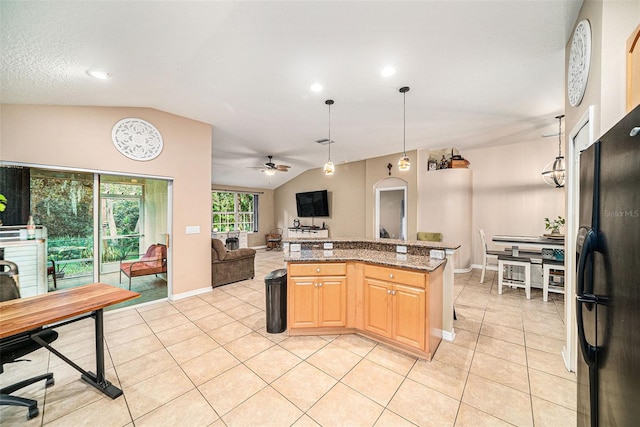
x=554, y=225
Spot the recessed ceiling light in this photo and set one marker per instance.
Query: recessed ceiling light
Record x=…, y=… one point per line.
x=388, y=71
x=98, y=74
x=316, y=87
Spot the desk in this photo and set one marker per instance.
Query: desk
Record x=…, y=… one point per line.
x=527, y=242
x=26, y=314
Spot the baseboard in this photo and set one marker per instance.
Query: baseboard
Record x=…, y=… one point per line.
x=259, y=247
x=183, y=295
x=462, y=270
x=489, y=267
x=449, y=336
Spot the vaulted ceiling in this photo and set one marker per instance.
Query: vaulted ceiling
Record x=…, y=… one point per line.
x=481, y=73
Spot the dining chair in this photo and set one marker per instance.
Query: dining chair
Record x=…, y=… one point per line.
x=487, y=255
x=547, y=284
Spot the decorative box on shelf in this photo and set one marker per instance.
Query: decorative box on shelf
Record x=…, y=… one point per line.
x=459, y=163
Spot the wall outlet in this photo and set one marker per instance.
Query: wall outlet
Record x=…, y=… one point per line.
x=193, y=229
x=295, y=247
x=436, y=254
x=401, y=257
x=328, y=245
x=401, y=249
x=327, y=253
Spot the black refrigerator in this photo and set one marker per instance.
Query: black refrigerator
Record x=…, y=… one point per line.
x=608, y=278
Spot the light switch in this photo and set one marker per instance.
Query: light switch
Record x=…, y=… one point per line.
x=193, y=229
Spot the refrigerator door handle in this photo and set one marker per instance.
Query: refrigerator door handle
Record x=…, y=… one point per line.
x=589, y=351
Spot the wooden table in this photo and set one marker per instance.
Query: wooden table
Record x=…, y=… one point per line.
x=27, y=314
x=516, y=242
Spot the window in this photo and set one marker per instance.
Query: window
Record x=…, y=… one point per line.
x=234, y=211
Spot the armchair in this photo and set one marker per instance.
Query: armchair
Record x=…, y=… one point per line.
x=154, y=261
x=274, y=239
x=13, y=348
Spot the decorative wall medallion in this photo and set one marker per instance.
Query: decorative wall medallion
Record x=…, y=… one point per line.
x=579, y=61
x=137, y=139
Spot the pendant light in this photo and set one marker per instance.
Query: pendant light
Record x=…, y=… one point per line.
x=404, y=164
x=328, y=167
x=556, y=175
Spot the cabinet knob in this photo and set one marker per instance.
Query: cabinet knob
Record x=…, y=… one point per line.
x=318, y=270
x=388, y=291
x=390, y=275
x=393, y=292
x=320, y=284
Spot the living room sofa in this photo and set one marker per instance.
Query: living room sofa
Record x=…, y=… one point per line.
x=230, y=266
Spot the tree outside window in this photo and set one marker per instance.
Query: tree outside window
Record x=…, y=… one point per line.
x=234, y=211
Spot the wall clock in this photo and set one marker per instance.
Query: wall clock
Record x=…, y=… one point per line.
x=137, y=139
x=579, y=61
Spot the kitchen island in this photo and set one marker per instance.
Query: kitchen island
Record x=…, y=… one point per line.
x=365, y=286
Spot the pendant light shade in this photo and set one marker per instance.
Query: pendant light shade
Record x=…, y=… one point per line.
x=555, y=175
x=328, y=167
x=404, y=164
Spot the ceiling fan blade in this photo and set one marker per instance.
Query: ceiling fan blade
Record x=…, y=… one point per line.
x=283, y=168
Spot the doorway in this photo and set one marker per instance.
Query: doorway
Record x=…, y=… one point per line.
x=391, y=209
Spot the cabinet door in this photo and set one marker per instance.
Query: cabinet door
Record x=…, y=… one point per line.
x=377, y=307
x=332, y=308
x=305, y=302
x=409, y=315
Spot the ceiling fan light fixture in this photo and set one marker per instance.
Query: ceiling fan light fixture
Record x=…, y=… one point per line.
x=270, y=172
x=329, y=168
x=556, y=174
x=404, y=164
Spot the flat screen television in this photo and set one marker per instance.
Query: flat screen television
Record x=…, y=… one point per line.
x=312, y=204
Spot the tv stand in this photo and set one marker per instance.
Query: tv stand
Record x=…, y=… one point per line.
x=307, y=232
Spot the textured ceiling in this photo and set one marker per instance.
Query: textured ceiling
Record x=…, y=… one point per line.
x=481, y=72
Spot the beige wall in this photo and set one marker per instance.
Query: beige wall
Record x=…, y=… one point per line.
x=266, y=220
x=80, y=137
x=346, y=199
x=509, y=195
x=445, y=202
x=376, y=171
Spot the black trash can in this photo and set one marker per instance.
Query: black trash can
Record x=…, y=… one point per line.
x=276, y=301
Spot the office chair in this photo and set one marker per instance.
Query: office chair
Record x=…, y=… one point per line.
x=14, y=347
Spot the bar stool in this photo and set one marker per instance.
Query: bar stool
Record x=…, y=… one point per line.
x=512, y=261
x=547, y=266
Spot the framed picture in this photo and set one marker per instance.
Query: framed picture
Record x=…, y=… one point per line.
x=432, y=165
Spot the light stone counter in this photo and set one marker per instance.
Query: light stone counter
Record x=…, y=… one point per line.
x=415, y=262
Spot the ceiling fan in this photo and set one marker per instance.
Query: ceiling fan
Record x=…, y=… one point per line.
x=271, y=168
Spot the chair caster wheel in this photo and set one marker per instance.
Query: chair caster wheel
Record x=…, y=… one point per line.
x=33, y=412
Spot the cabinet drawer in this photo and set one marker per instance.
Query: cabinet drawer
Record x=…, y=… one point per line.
x=410, y=278
x=318, y=269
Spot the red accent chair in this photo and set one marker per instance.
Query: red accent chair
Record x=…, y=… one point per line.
x=154, y=261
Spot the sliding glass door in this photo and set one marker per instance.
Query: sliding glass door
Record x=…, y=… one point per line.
x=96, y=222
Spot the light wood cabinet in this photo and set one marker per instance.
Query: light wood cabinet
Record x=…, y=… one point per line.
x=399, y=307
x=317, y=295
x=394, y=310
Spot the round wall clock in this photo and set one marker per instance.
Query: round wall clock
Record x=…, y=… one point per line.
x=579, y=61
x=137, y=139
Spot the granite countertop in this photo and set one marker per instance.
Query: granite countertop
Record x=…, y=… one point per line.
x=369, y=241
x=415, y=262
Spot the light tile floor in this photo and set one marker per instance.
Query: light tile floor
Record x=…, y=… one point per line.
x=208, y=361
